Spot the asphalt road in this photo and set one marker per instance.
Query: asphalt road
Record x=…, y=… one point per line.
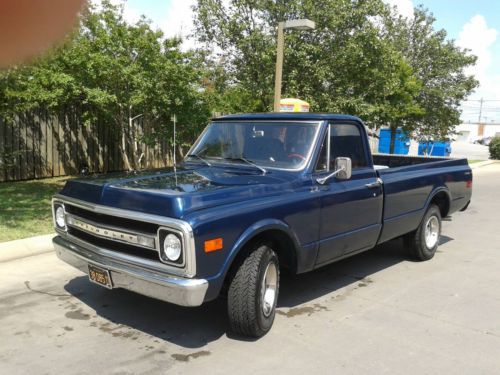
x=375, y=313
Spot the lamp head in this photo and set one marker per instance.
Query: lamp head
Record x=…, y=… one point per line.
x=300, y=24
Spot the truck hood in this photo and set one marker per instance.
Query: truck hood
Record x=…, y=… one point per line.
x=175, y=194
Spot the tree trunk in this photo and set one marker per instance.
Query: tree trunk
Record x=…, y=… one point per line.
x=132, y=137
x=393, y=139
x=125, y=130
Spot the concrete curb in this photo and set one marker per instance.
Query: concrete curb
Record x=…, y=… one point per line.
x=482, y=164
x=26, y=247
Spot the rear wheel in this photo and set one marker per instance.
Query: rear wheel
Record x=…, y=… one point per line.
x=253, y=293
x=423, y=243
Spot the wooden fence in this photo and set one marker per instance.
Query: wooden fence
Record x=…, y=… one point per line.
x=38, y=145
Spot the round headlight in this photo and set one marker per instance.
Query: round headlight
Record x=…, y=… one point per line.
x=172, y=247
x=60, y=220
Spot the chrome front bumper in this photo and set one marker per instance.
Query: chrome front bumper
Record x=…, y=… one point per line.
x=173, y=289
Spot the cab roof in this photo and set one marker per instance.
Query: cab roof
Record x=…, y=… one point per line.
x=287, y=116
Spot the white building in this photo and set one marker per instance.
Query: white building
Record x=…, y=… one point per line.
x=469, y=132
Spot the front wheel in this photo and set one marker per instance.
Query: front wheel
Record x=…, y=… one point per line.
x=423, y=243
x=253, y=293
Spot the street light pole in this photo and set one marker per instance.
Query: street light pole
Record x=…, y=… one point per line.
x=279, y=67
x=302, y=24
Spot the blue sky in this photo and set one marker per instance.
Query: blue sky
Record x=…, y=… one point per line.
x=452, y=16
x=473, y=24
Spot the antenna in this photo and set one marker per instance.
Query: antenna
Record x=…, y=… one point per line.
x=174, y=120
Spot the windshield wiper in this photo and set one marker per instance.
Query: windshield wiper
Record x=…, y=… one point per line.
x=241, y=158
x=199, y=158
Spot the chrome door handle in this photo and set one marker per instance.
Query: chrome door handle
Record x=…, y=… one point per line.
x=375, y=184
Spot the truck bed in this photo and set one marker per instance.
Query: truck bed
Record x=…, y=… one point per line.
x=395, y=161
x=411, y=182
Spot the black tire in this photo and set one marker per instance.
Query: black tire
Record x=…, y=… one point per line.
x=244, y=300
x=415, y=241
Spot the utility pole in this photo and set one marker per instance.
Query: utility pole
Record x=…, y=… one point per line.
x=480, y=109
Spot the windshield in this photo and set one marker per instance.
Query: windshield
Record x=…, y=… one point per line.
x=284, y=144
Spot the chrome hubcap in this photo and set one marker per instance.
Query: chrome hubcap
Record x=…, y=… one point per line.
x=431, y=232
x=268, y=289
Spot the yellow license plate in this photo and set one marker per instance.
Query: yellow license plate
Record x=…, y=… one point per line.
x=100, y=276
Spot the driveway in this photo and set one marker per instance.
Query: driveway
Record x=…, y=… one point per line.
x=377, y=312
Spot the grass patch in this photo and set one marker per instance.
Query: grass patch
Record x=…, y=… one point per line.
x=475, y=161
x=25, y=208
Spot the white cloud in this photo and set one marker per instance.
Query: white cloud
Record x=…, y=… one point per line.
x=405, y=7
x=130, y=14
x=480, y=39
x=179, y=22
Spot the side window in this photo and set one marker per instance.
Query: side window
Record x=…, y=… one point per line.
x=346, y=141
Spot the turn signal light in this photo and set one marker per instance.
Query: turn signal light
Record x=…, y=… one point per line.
x=213, y=245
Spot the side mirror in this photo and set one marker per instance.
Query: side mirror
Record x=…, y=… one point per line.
x=343, y=170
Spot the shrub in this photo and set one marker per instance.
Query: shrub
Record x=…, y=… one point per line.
x=495, y=148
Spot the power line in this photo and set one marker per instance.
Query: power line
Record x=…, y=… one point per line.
x=484, y=100
x=480, y=109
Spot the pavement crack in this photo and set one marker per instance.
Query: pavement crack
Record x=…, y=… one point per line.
x=28, y=286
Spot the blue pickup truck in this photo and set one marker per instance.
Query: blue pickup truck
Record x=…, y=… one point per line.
x=256, y=194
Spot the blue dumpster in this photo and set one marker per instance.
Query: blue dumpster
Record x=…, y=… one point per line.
x=401, y=143
x=432, y=148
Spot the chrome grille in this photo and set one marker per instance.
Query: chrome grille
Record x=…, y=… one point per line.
x=103, y=228
x=116, y=234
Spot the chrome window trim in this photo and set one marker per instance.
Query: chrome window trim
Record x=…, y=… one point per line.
x=328, y=146
x=189, y=270
x=309, y=155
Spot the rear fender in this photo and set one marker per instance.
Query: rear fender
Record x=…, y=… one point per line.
x=441, y=189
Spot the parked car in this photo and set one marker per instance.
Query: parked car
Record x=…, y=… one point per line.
x=256, y=194
x=485, y=141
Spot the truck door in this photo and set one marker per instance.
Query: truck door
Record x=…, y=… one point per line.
x=351, y=210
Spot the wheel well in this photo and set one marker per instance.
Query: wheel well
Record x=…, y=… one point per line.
x=280, y=242
x=442, y=200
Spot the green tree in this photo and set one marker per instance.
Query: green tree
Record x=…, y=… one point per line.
x=340, y=66
x=361, y=59
x=439, y=65
x=118, y=73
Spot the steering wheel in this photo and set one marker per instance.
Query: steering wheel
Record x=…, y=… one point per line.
x=298, y=156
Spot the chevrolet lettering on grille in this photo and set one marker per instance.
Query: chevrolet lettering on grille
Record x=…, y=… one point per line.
x=102, y=232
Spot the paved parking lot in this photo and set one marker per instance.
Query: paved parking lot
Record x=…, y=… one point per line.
x=470, y=151
x=461, y=149
x=375, y=313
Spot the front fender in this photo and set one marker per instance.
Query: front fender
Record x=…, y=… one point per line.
x=215, y=282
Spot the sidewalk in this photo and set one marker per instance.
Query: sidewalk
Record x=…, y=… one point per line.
x=26, y=247
x=482, y=163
